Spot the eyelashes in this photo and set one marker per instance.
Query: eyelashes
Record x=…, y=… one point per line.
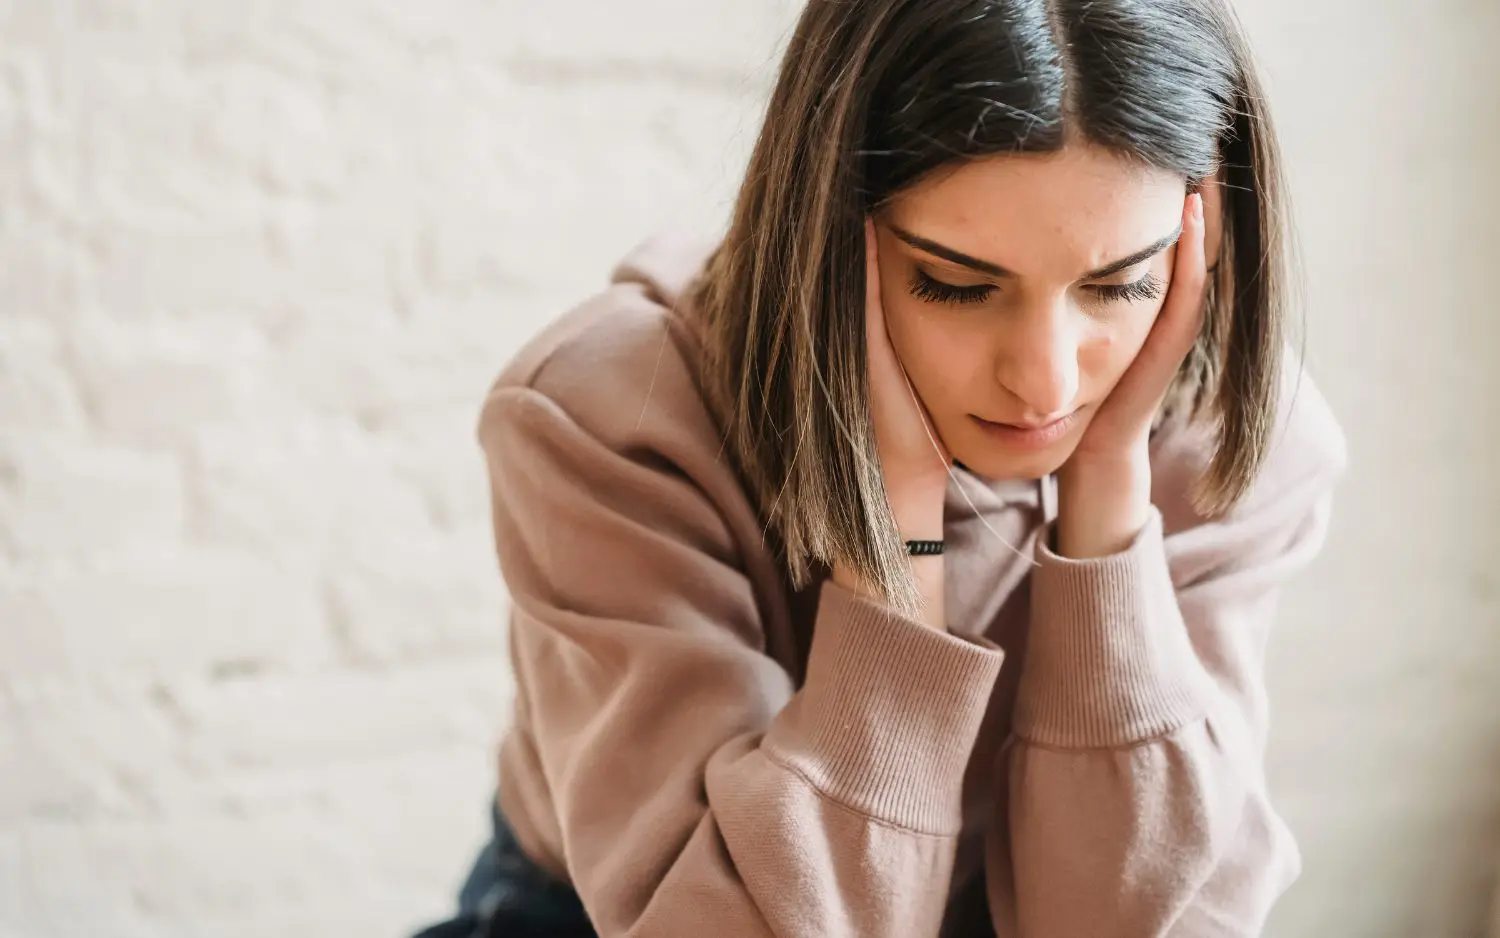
x=925, y=287
x=1146, y=288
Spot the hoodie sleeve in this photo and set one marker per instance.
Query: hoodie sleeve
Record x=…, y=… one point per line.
x=692, y=789
x=1137, y=800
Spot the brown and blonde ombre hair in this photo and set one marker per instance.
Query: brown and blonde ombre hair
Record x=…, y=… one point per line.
x=875, y=94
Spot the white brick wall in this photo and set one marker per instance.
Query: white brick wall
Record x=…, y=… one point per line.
x=259, y=260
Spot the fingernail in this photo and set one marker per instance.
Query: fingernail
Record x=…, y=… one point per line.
x=1198, y=206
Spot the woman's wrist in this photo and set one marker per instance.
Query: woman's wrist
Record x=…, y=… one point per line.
x=928, y=572
x=918, y=511
x=1102, y=505
x=918, y=508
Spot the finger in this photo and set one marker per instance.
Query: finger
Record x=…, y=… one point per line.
x=1212, y=191
x=897, y=396
x=882, y=357
x=1176, y=326
x=1181, y=317
x=1191, y=272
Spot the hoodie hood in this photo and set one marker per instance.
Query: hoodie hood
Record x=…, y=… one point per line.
x=666, y=263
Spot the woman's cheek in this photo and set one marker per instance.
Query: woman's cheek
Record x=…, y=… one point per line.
x=1110, y=350
x=915, y=335
x=1133, y=329
x=933, y=348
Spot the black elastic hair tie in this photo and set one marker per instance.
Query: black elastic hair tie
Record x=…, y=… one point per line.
x=924, y=548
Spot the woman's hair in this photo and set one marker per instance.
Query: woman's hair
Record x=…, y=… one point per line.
x=875, y=94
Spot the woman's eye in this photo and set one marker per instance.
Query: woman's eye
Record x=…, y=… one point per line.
x=1146, y=288
x=924, y=287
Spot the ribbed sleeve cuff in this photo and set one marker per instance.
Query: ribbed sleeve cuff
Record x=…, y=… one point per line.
x=886, y=720
x=1108, y=660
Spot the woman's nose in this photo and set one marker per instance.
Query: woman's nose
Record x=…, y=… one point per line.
x=1038, y=363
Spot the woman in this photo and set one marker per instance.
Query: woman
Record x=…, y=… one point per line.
x=902, y=564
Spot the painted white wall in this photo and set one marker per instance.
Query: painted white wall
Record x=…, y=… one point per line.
x=259, y=260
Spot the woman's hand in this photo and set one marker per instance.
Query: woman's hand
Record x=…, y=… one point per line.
x=1104, y=489
x=913, y=459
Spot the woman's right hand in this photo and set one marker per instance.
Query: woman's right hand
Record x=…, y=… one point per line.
x=913, y=459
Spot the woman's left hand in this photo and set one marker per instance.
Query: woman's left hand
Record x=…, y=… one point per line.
x=1104, y=488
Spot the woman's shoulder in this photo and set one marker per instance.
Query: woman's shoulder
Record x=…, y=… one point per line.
x=1306, y=455
x=625, y=363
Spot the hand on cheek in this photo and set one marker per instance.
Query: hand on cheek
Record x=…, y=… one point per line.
x=1105, y=486
x=914, y=462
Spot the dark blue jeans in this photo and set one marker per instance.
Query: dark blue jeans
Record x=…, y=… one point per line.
x=509, y=896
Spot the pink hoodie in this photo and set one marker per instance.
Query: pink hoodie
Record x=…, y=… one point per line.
x=700, y=750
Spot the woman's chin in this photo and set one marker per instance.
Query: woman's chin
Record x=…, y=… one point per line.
x=994, y=463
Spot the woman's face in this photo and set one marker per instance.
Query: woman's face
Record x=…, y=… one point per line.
x=1019, y=288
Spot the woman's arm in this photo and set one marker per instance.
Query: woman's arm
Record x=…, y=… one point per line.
x=1137, y=801
x=693, y=790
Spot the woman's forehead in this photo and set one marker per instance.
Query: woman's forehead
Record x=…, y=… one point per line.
x=1044, y=215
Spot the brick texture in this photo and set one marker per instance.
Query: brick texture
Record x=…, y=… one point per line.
x=259, y=260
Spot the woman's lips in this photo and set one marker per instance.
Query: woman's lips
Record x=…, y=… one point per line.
x=1028, y=437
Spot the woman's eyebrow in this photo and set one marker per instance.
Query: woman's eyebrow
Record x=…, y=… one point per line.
x=995, y=270
x=948, y=254
x=1150, y=250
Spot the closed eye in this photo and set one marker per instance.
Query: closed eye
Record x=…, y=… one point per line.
x=1146, y=288
x=925, y=287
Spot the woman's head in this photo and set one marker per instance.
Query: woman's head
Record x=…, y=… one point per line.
x=1018, y=289
x=1025, y=162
